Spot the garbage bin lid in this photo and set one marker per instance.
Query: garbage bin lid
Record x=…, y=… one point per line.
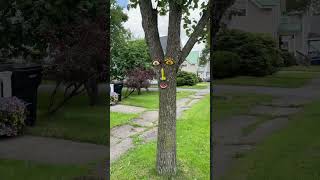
x=6, y=67
x=24, y=67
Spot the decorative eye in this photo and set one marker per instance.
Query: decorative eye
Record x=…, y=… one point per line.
x=156, y=63
x=169, y=61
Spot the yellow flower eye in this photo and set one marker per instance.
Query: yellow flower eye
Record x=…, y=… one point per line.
x=169, y=61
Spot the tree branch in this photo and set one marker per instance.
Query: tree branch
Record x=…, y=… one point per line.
x=174, y=29
x=150, y=26
x=197, y=33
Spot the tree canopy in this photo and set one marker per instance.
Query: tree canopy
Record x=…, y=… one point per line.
x=133, y=54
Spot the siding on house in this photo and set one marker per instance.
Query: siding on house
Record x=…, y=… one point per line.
x=261, y=17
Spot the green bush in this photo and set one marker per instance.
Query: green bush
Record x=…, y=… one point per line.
x=225, y=64
x=12, y=116
x=186, y=79
x=288, y=58
x=259, y=53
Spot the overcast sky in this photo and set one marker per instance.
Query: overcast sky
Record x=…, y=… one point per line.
x=135, y=26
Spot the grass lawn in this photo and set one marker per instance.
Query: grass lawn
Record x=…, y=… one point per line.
x=292, y=77
x=231, y=104
x=150, y=100
x=75, y=121
x=202, y=85
x=290, y=154
x=193, y=144
x=26, y=170
x=303, y=68
x=117, y=119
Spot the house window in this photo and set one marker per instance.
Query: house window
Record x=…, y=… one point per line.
x=240, y=8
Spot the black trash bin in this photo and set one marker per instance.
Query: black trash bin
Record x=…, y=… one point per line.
x=25, y=82
x=118, y=89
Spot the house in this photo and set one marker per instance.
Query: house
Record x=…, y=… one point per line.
x=297, y=32
x=204, y=72
x=191, y=63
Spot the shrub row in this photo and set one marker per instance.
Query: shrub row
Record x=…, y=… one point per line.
x=186, y=79
x=251, y=54
x=12, y=116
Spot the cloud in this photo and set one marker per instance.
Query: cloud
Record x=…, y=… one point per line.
x=134, y=24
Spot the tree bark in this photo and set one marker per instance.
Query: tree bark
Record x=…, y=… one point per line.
x=92, y=90
x=166, y=144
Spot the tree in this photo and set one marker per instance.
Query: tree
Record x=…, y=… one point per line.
x=178, y=11
x=138, y=78
x=134, y=53
x=302, y=5
x=205, y=54
x=73, y=33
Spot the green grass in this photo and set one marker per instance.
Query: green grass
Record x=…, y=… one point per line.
x=75, y=121
x=303, y=68
x=290, y=154
x=202, y=85
x=117, y=119
x=288, y=78
x=150, y=100
x=231, y=104
x=192, y=142
x=26, y=170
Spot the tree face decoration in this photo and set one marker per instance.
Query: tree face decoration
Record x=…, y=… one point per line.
x=163, y=76
x=169, y=61
x=156, y=63
x=163, y=85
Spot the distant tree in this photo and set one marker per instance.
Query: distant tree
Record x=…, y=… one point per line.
x=139, y=78
x=302, y=5
x=205, y=55
x=132, y=54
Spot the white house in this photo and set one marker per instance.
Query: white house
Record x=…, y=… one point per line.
x=204, y=72
x=297, y=32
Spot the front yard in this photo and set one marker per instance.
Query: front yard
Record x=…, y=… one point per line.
x=193, y=141
x=292, y=77
x=75, y=121
x=150, y=99
x=290, y=154
x=26, y=170
x=201, y=85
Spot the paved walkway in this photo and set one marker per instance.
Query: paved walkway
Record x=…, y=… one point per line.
x=144, y=127
x=50, y=150
x=230, y=141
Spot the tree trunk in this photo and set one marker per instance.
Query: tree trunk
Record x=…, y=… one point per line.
x=166, y=154
x=166, y=144
x=92, y=90
x=166, y=147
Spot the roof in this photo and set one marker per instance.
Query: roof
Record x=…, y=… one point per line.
x=267, y=3
x=193, y=57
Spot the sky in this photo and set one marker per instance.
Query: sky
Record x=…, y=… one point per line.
x=135, y=26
